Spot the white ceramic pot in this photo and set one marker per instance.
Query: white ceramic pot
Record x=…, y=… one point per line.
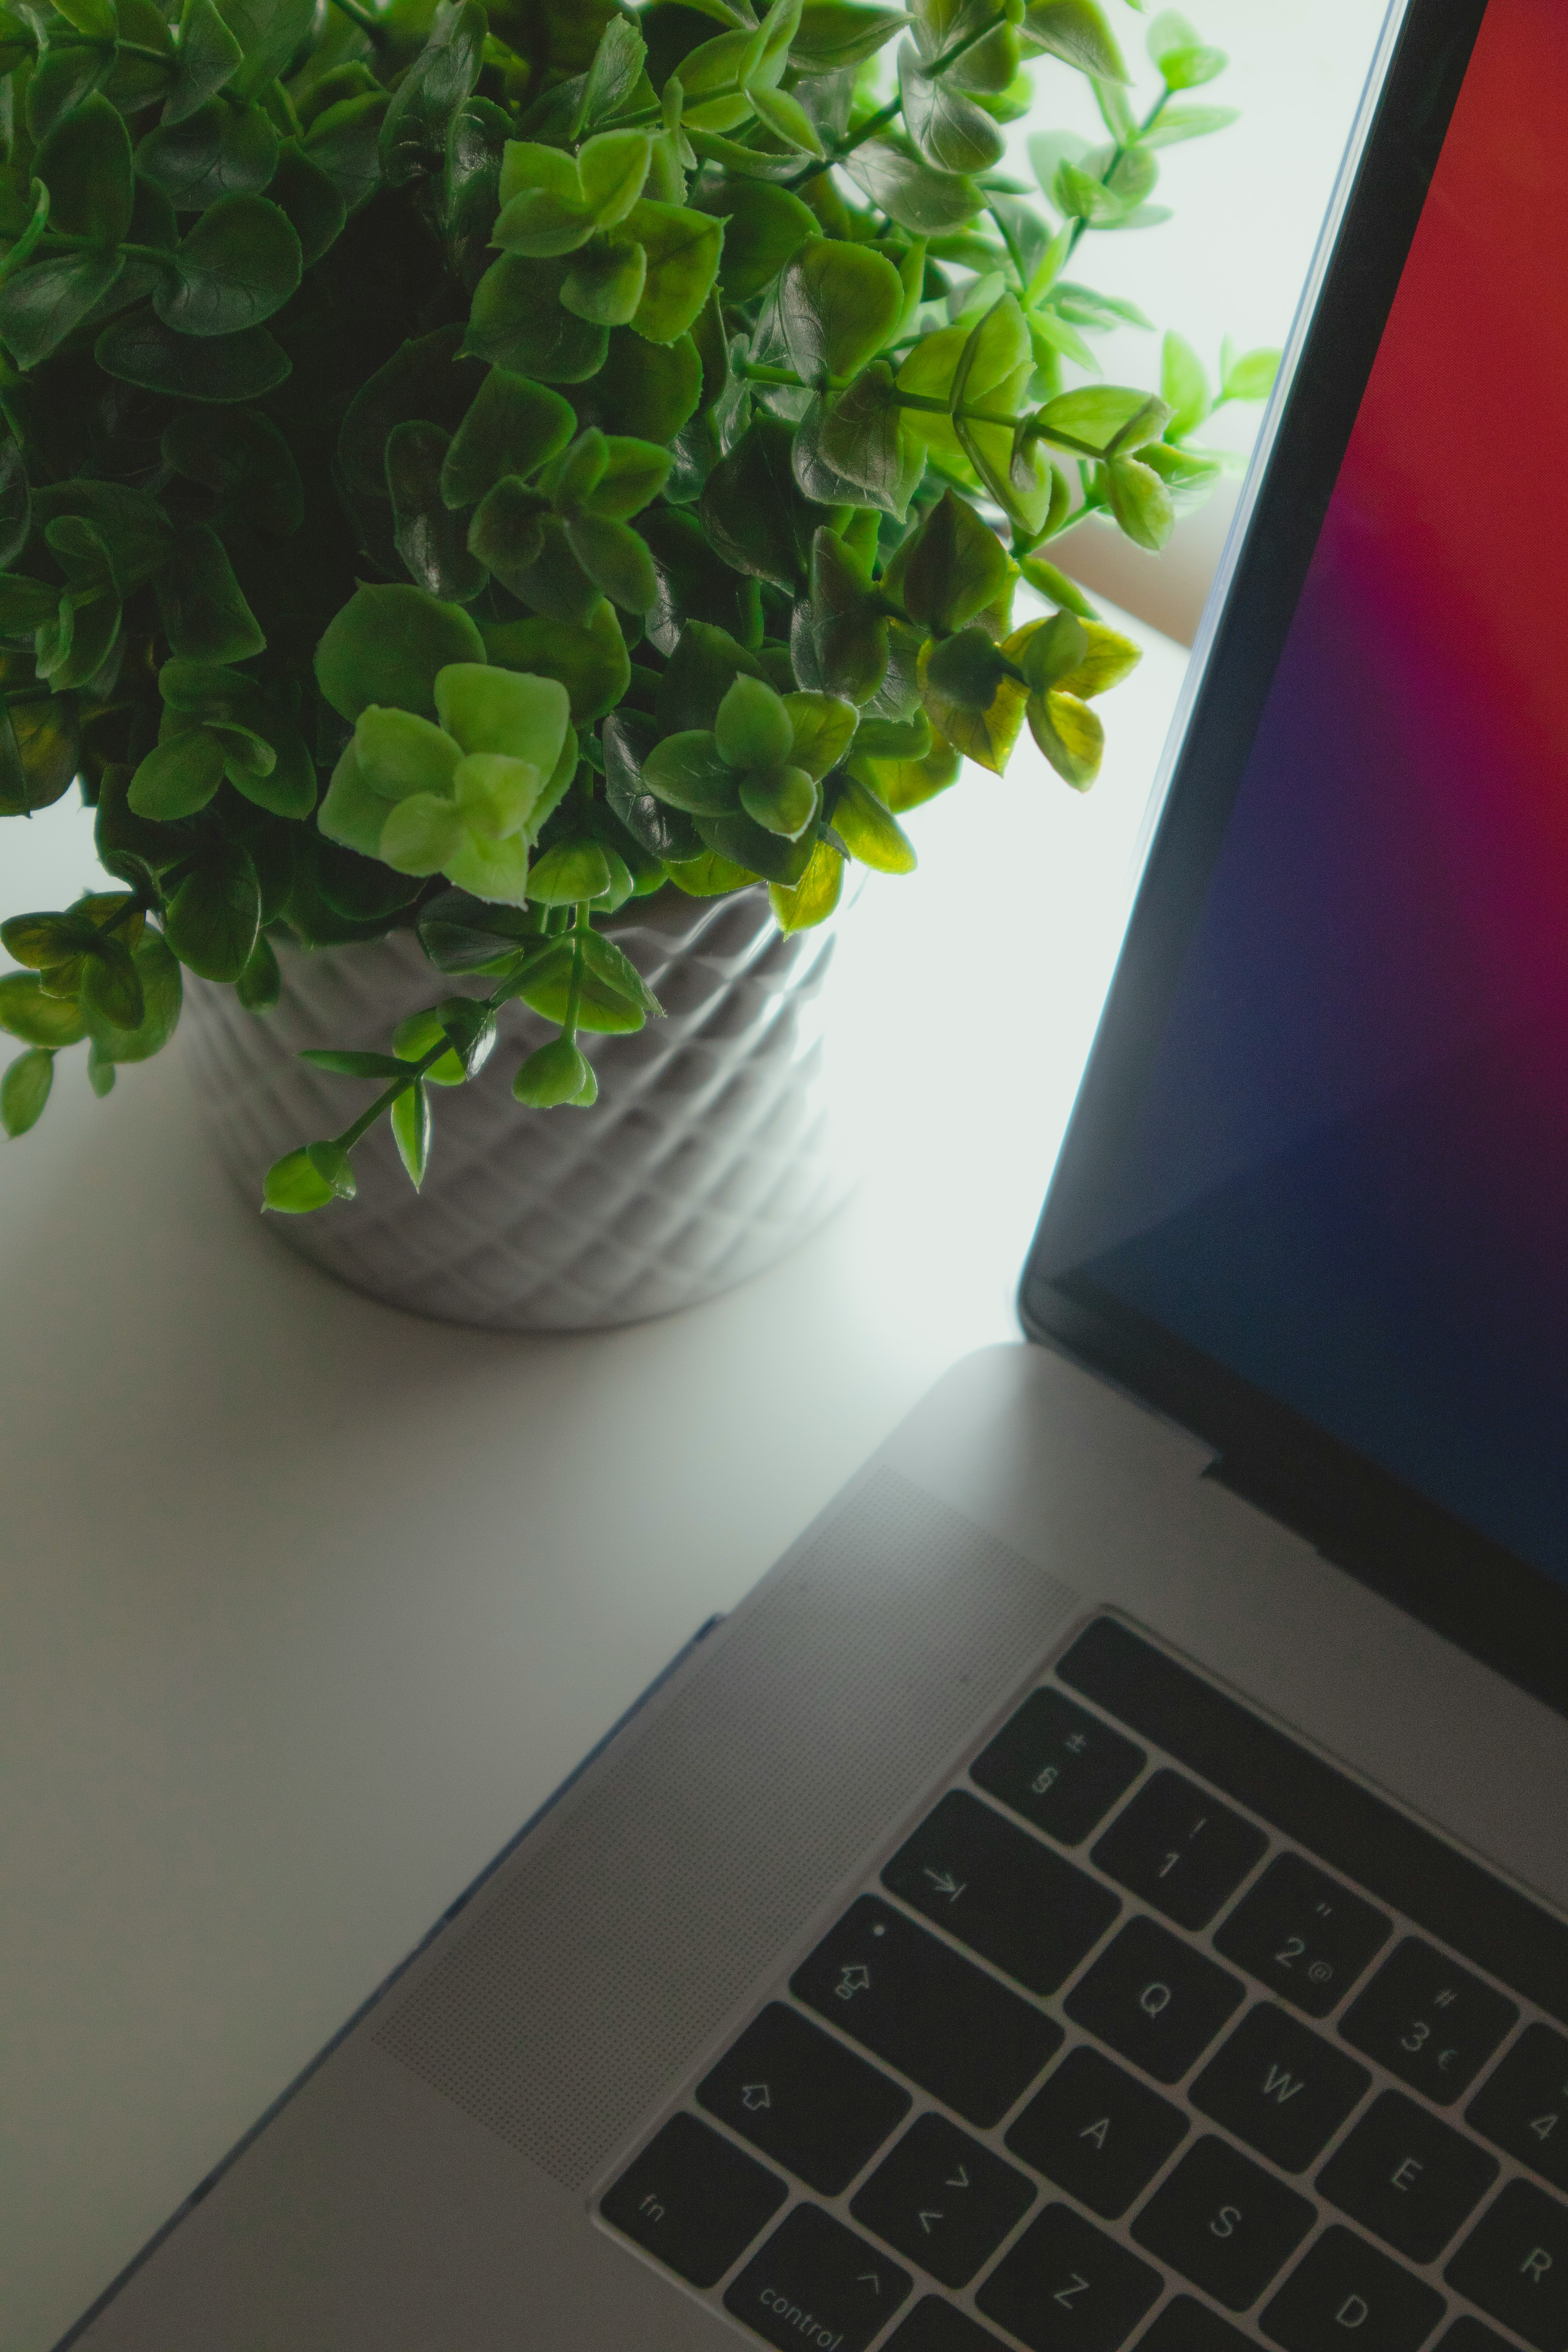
x=709, y=1155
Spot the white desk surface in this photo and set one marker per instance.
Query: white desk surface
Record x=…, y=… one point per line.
x=305, y=1605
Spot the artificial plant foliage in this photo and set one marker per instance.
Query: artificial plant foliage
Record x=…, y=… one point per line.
x=466, y=467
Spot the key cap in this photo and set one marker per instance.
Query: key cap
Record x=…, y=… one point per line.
x=943, y=2199
x=1096, y=2133
x=1524, y=2108
x=1429, y=2023
x=1283, y=2090
x=1155, y=1999
x=1224, y=2223
x=1001, y=1892
x=693, y=2200
x=1303, y=1934
x=934, y=2327
x=1066, y=2284
x=817, y=2283
x=1059, y=1767
x=1180, y=1849
x=1187, y=2327
x=1407, y=2178
x=1343, y=2291
x=1468, y=2335
x=1515, y=2265
x=802, y=2099
x=928, y=2011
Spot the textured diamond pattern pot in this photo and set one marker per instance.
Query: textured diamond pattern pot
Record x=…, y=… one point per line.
x=709, y=1155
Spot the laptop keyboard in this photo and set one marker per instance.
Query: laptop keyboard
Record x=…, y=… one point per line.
x=1158, y=2030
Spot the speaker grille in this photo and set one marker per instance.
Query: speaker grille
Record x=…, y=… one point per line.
x=627, y=1928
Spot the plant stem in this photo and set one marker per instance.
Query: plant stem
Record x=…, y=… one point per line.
x=872, y=124
x=1144, y=128
x=575, y=992
x=369, y=25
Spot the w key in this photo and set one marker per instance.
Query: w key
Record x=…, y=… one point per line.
x=1281, y=2089
x=1001, y=1892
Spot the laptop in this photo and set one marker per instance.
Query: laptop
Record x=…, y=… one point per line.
x=1108, y=1884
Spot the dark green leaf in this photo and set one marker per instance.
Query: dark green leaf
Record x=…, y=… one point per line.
x=220, y=368
x=682, y=249
x=615, y=560
x=647, y=389
x=514, y=426
x=385, y=646
x=158, y=978
x=635, y=473
x=311, y=202
x=414, y=136
x=477, y=138
x=832, y=33
x=15, y=504
x=205, y=615
x=332, y=1164
x=471, y=1028
x=25, y=604
x=764, y=228
x=62, y=80
x=24, y=1091
x=704, y=665
x=260, y=983
x=212, y=919
x=411, y=1130
x=208, y=56
x=518, y=322
x=178, y=776
x=85, y=163
x=746, y=844
x=29, y=1013
x=956, y=677
x=695, y=584
x=918, y=198
x=753, y=509
x=837, y=305
x=42, y=304
x=239, y=264
x=951, y=569
x=110, y=996
x=344, y=141
x=216, y=151
x=41, y=750
x=428, y=536
x=688, y=772
x=662, y=831
x=268, y=32
x=1076, y=31
x=243, y=457
x=951, y=132
x=860, y=434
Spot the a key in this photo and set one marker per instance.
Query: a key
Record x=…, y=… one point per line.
x=943, y=2199
x=1180, y=1849
x=1066, y=2284
x=1429, y=2023
x=935, y=2326
x=1096, y=2133
x=1524, y=2108
x=1281, y=2088
x=1468, y=2335
x=927, y=2011
x=693, y=2200
x=1344, y=2292
x=1153, y=1999
x=1224, y=2223
x=817, y=2283
x=1001, y=1892
x=1515, y=2265
x=1184, y=2325
x=1058, y=1766
x=1406, y=2177
x=1303, y=1934
x=802, y=2099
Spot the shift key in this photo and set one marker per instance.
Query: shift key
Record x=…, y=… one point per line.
x=943, y=2022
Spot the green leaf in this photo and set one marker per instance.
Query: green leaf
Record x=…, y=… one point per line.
x=110, y=993
x=140, y=350
x=605, y=281
x=971, y=699
x=216, y=151
x=344, y=141
x=764, y=228
x=85, y=163
x=1103, y=416
x=212, y=919
x=260, y=983
x=918, y=198
x=414, y=134
x=688, y=771
x=97, y=17
x=862, y=435
x=269, y=33
x=1251, y=377
x=614, y=75
x=752, y=728
x=387, y=644
x=832, y=33
x=512, y=426
x=870, y=833
x=238, y=265
x=158, y=975
x=25, y=604
x=41, y=305
x=822, y=728
x=29, y=1013
x=952, y=567
x=24, y=1091
x=1070, y=734
x=605, y=1005
x=1183, y=60
x=431, y=539
x=753, y=510
x=244, y=460
x=780, y=799
x=814, y=897
x=755, y=848
x=635, y=473
x=518, y=322
x=682, y=249
x=573, y=870
x=207, y=57
x=1077, y=32
x=1047, y=651
x=204, y=612
x=411, y=1130
x=615, y=560
x=590, y=663
x=1055, y=585
x=710, y=877
x=646, y=388
x=178, y=776
x=837, y=305
x=15, y=504
x=61, y=80
x=553, y=1074
x=1139, y=502
x=294, y=1185
x=1179, y=122
x=39, y=753
x=1183, y=386
x=667, y=834
x=951, y=132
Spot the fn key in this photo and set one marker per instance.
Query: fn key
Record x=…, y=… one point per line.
x=693, y=2200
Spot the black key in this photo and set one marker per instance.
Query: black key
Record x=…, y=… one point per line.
x=1524, y=2108
x=1515, y=2265
x=1187, y=2327
x=931, y=2013
x=943, y=2199
x=1180, y=1850
x=934, y=2327
x=693, y=2200
x=1060, y=1768
x=1344, y=2291
x=1281, y=2089
x=1002, y=1891
x=1096, y=2133
x=1395, y=1859
x=1064, y=2287
x=1432, y=2024
x=1303, y=1934
x=1154, y=1998
x=1469, y=2335
x=1407, y=2178
x=1224, y=2223
x=802, y=2099
x=817, y=2283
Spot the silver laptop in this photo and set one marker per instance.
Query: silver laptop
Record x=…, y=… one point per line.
x=1108, y=1884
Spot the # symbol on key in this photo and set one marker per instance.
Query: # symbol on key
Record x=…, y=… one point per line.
x=851, y=1980
x=754, y=2096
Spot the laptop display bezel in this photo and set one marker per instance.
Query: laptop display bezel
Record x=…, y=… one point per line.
x=1494, y=1606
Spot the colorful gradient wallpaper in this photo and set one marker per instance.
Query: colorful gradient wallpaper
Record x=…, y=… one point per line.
x=1350, y=1180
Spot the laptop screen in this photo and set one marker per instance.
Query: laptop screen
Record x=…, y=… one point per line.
x=1345, y=1177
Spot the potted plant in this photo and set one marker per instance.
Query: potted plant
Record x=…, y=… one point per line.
x=497, y=497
